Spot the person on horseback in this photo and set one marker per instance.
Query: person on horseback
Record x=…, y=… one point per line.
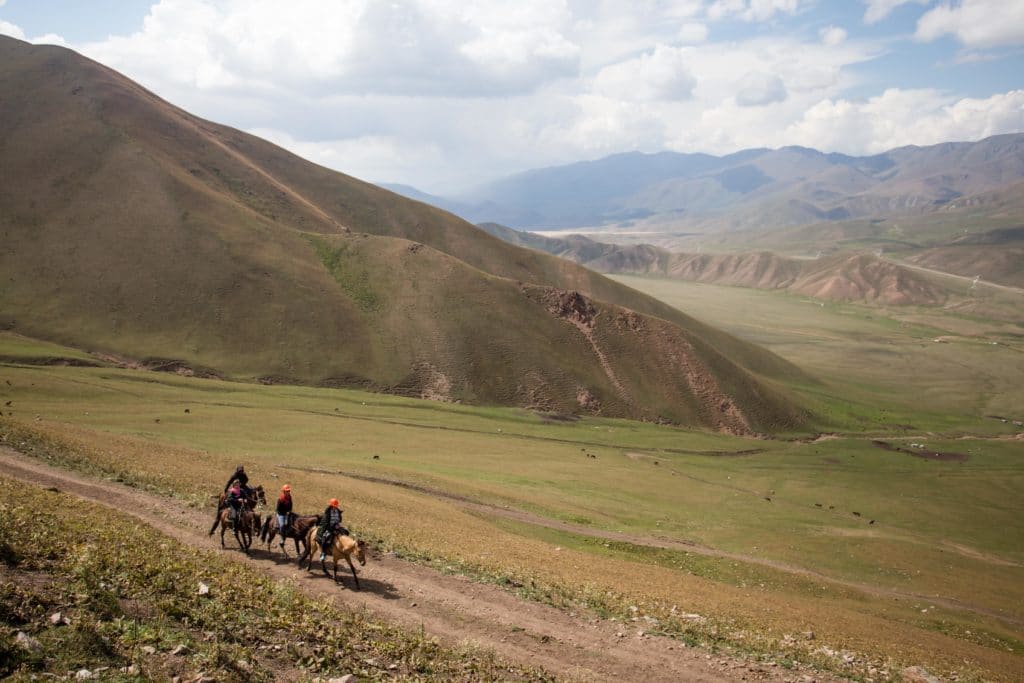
x=242, y=478
x=284, y=511
x=235, y=499
x=330, y=526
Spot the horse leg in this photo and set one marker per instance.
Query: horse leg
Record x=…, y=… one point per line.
x=223, y=528
x=353, y=568
x=216, y=521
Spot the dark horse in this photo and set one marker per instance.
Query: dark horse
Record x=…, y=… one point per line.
x=297, y=530
x=245, y=525
x=257, y=498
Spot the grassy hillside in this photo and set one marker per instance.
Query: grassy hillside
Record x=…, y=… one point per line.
x=131, y=227
x=582, y=514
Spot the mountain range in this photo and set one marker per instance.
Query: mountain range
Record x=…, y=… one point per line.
x=130, y=227
x=754, y=189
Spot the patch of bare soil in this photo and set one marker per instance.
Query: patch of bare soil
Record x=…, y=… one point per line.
x=451, y=608
x=925, y=453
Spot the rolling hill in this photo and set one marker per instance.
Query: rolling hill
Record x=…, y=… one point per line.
x=132, y=227
x=844, y=276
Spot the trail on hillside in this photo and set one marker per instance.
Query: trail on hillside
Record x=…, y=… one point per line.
x=451, y=608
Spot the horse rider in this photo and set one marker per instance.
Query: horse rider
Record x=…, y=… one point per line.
x=330, y=525
x=234, y=499
x=243, y=481
x=284, y=511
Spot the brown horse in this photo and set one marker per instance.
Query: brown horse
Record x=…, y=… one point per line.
x=342, y=546
x=297, y=530
x=257, y=498
x=245, y=526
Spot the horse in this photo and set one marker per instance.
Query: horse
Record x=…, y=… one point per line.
x=299, y=527
x=342, y=546
x=257, y=498
x=245, y=526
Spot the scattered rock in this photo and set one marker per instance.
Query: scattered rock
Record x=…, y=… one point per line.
x=132, y=670
x=203, y=589
x=149, y=649
x=27, y=642
x=243, y=666
x=347, y=678
x=180, y=649
x=58, y=619
x=83, y=675
x=918, y=674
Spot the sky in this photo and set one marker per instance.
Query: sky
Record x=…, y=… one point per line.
x=448, y=94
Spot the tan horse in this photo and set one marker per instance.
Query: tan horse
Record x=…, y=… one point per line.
x=342, y=546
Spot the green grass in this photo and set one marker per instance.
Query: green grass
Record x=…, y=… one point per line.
x=879, y=366
x=951, y=529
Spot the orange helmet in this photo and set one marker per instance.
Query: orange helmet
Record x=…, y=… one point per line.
x=286, y=488
x=333, y=503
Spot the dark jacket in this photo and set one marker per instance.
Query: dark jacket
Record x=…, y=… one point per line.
x=331, y=519
x=241, y=477
x=284, y=504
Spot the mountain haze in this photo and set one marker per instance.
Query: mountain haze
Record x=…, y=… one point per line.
x=750, y=190
x=132, y=227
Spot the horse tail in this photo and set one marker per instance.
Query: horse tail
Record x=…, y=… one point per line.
x=265, y=529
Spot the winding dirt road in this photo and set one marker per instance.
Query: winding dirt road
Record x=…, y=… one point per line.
x=451, y=608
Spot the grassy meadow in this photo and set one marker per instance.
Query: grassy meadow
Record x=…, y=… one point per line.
x=890, y=559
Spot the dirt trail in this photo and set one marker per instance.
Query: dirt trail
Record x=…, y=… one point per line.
x=451, y=608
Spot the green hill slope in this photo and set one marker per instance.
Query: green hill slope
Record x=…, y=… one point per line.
x=129, y=226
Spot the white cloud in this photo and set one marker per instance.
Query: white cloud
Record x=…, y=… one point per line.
x=758, y=89
x=975, y=23
x=904, y=117
x=662, y=74
x=880, y=9
x=693, y=32
x=12, y=30
x=435, y=47
x=832, y=35
x=751, y=10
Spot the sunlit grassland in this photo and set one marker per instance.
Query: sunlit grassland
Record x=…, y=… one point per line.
x=949, y=529
x=880, y=367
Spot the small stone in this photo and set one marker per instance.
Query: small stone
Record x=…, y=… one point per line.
x=203, y=589
x=918, y=674
x=808, y=635
x=149, y=649
x=58, y=619
x=243, y=665
x=27, y=642
x=347, y=678
x=83, y=675
x=132, y=670
x=180, y=649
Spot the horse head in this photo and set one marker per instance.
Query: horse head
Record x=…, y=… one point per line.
x=361, y=552
x=261, y=495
